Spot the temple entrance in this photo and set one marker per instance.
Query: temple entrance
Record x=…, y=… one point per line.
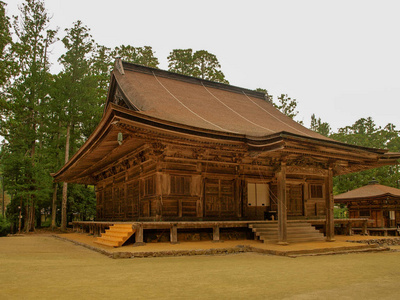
x=389, y=218
x=294, y=194
x=258, y=202
x=294, y=198
x=219, y=200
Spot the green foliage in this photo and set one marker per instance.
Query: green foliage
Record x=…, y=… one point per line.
x=82, y=202
x=340, y=212
x=200, y=64
x=21, y=116
x=206, y=66
x=365, y=133
x=287, y=106
x=78, y=93
x=317, y=125
x=181, y=61
x=138, y=55
x=6, y=62
x=5, y=226
x=46, y=223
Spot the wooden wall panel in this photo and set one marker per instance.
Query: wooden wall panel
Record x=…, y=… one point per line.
x=189, y=208
x=132, y=199
x=99, y=204
x=219, y=198
x=294, y=194
x=108, y=203
x=170, y=208
x=144, y=208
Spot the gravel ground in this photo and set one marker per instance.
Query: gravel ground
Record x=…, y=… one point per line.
x=40, y=266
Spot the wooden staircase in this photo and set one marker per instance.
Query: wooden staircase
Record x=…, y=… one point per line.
x=116, y=236
x=296, y=232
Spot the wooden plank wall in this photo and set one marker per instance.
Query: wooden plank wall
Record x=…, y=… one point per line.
x=174, y=189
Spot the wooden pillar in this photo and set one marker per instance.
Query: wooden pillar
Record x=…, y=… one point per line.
x=364, y=228
x=138, y=235
x=216, y=234
x=282, y=205
x=349, y=228
x=159, y=195
x=98, y=230
x=330, y=225
x=174, y=234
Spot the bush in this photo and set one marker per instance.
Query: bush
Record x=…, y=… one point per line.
x=5, y=227
x=46, y=223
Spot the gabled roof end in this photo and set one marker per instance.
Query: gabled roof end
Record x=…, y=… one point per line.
x=118, y=66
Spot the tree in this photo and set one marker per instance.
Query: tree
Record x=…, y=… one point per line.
x=364, y=132
x=317, y=125
x=77, y=94
x=138, y=55
x=21, y=118
x=206, y=66
x=181, y=61
x=200, y=64
x=287, y=105
x=6, y=62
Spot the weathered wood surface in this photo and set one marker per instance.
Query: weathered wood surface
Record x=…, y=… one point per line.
x=282, y=204
x=330, y=226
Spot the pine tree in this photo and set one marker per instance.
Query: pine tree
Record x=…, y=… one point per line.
x=21, y=116
x=138, y=55
x=200, y=64
x=78, y=95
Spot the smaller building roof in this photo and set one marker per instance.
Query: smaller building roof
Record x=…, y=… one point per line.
x=372, y=190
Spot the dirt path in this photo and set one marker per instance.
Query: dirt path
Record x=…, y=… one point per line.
x=40, y=266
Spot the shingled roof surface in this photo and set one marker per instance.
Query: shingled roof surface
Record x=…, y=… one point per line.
x=203, y=104
x=369, y=191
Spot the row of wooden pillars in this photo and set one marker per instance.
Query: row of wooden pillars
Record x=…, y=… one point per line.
x=173, y=233
x=282, y=205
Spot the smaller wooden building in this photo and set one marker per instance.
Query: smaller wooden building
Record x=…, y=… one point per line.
x=377, y=202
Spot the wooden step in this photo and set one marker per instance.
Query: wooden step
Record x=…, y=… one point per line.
x=106, y=243
x=116, y=235
x=275, y=225
x=296, y=232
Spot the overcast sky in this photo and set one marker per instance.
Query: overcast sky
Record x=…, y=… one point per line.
x=339, y=59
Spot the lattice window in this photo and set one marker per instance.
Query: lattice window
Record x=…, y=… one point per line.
x=180, y=185
x=316, y=191
x=149, y=186
x=365, y=213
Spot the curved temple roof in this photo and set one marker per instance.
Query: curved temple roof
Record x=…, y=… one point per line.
x=185, y=106
x=203, y=104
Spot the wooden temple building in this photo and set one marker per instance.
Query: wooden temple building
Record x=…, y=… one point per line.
x=379, y=203
x=173, y=149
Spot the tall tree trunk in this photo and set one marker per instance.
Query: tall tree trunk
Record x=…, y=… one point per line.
x=65, y=185
x=54, y=207
x=20, y=216
x=32, y=218
x=54, y=204
x=29, y=224
x=26, y=219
